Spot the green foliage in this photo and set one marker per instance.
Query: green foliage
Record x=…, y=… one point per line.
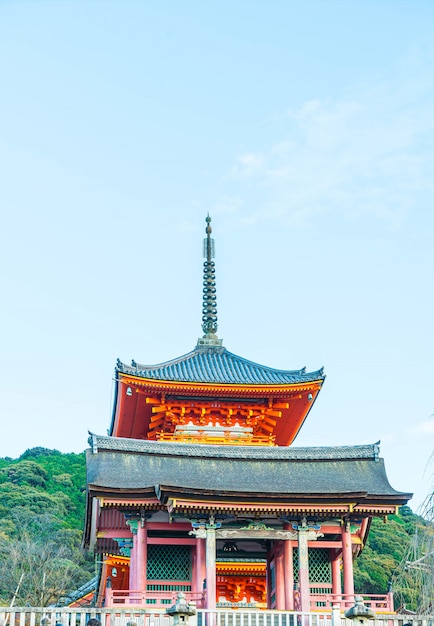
x=413, y=581
x=384, y=555
x=32, y=453
x=43, y=561
x=31, y=501
x=59, y=479
x=42, y=499
x=24, y=473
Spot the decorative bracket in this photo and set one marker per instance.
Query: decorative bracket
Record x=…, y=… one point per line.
x=125, y=545
x=201, y=526
x=311, y=530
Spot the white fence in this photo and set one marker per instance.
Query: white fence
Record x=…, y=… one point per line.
x=53, y=616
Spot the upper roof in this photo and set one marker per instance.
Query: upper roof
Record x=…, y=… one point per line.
x=210, y=362
x=215, y=364
x=210, y=373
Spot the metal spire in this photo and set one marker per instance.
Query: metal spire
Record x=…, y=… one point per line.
x=209, y=310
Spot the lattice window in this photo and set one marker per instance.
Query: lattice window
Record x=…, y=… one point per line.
x=169, y=563
x=320, y=570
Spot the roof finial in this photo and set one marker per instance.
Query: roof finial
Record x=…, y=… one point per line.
x=209, y=310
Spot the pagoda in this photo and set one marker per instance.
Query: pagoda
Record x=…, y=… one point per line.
x=197, y=487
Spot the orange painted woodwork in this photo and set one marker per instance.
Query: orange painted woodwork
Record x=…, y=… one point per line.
x=235, y=589
x=221, y=414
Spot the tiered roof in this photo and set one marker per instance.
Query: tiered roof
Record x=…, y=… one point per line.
x=210, y=396
x=216, y=365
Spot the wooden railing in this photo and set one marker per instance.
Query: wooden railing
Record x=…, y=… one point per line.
x=162, y=598
x=150, y=598
x=380, y=603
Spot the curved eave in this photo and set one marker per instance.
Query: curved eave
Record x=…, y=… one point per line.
x=341, y=505
x=216, y=473
x=353, y=502
x=228, y=389
x=217, y=366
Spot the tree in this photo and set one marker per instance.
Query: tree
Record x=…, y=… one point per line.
x=414, y=579
x=25, y=473
x=44, y=480
x=41, y=520
x=42, y=561
x=381, y=556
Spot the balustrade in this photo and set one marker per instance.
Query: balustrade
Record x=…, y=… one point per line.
x=123, y=616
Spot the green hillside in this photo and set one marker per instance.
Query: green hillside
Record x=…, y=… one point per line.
x=382, y=562
x=42, y=500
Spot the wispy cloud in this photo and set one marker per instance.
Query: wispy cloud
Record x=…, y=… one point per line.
x=368, y=156
x=424, y=428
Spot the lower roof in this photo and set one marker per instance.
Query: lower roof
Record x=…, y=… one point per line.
x=248, y=473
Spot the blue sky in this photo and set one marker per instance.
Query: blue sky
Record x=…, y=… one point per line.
x=306, y=129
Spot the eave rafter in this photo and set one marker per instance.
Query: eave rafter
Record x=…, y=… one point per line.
x=241, y=567
x=130, y=503
x=342, y=510
x=218, y=390
x=194, y=507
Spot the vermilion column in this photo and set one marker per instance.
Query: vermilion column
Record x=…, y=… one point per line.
x=280, y=578
x=194, y=570
x=347, y=559
x=133, y=553
x=141, y=556
x=336, y=576
x=289, y=573
x=133, y=524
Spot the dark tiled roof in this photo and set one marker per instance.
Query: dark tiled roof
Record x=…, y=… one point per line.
x=278, y=473
x=82, y=591
x=121, y=444
x=215, y=364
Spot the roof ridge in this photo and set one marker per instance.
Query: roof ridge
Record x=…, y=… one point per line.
x=178, y=359
x=233, y=362
x=325, y=453
x=302, y=370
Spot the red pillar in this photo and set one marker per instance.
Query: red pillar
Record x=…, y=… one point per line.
x=194, y=570
x=390, y=602
x=280, y=577
x=141, y=558
x=133, y=552
x=289, y=575
x=336, y=575
x=347, y=559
